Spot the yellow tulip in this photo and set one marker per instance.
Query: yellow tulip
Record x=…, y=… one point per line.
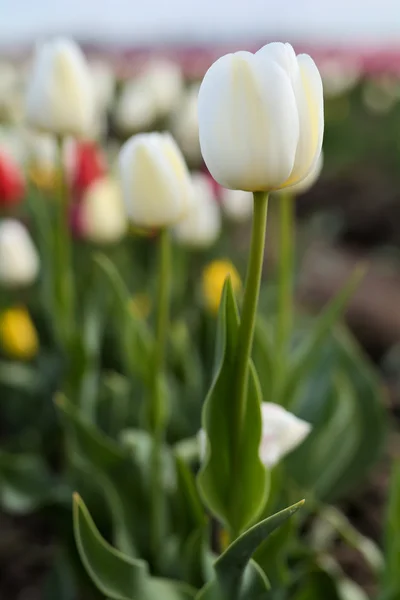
x=18, y=336
x=213, y=279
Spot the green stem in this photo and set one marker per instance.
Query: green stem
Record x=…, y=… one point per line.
x=157, y=408
x=63, y=293
x=285, y=282
x=249, y=308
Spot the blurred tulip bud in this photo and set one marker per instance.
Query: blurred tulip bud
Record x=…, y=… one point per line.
x=60, y=97
x=87, y=164
x=282, y=432
x=11, y=93
x=213, y=280
x=19, y=261
x=339, y=76
x=12, y=185
x=185, y=125
x=156, y=183
x=18, y=336
x=261, y=118
x=237, y=205
x=164, y=78
x=42, y=160
x=307, y=183
x=102, y=213
x=201, y=225
x=103, y=82
x=136, y=109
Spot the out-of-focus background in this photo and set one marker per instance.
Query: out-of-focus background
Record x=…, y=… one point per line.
x=351, y=214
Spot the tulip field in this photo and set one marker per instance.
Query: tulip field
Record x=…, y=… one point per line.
x=199, y=357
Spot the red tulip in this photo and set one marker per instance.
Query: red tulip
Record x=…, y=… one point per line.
x=89, y=165
x=12, y=185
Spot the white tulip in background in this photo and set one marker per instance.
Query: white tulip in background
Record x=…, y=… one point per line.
x=42, y=151
x=103, y=82
x=165, y=79
x=307, y=183
x=185, y=125
x=156, y=184
x=282, y=432
x=236, y=204
x=261, y=118
x=60, y=96
x=103, y=217
x=136, y=108
x=339, y=76
x=11, y=93
x=201, y=226
x=19, y=260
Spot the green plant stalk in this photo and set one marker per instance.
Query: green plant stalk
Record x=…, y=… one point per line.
x=157, y=408
x=249, y=310
x=63, y=284
x=285, y=285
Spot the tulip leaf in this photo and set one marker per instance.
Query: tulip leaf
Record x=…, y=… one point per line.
x=232, y=480
x=116, y=575
x=309, y=351
x=391, y=575
x=135, y=335
x=119, y=476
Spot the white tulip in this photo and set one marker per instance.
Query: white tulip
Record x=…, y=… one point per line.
x=60, y=95
x=103, y=216
x=42, y=150
x=185, y=125
x=237, y=205
x=103, y=81
x=165, y=80
x=282, y=432
x=136, y=108
x=307, y=183
x=19, y=260
x=261, y=118
x=156, y=184
x=201, y=226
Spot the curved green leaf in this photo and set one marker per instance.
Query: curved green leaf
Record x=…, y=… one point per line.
x=234, y=491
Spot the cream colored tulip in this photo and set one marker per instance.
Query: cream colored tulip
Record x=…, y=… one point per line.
x=164, y=78
x=185, y=125
x=237, y=205
x=201, y=226
x=261, y=118
x=19, y=260
x=103, y=216
x=60, y=96
x=136, y=108
x=156, y=184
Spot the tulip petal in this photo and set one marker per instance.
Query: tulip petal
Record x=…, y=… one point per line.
x=248, y=122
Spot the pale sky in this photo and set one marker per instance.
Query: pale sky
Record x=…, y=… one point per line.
x=137, y=22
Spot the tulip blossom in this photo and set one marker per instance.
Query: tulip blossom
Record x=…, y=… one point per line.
x=308, y=182
x=213, y=280
x=87, y=164
x=102, y=213
x=164, y=78
x=12, y=184
x=18, y=336
x=236, y=204
x=261, y=118
x=282, y=432
x=201, y=226
x=19, y=260
x=185, y=125
x=156, y=184
x=60, y=95
x=136, y=108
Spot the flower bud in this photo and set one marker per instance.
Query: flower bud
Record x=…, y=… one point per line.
x=185, y=125
x=261, y=118
x=136, y=108
x=282, y=432
x=237, y=205
x=19, y=261
x=201, y=225
x=102, y=214
x=12, y=185
x=60, y=96
x=18, y=336
x=213, y=280
x=307, y=183
x=103, y=82
x=165, y=80
x=156, y=184
x=87, y=165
